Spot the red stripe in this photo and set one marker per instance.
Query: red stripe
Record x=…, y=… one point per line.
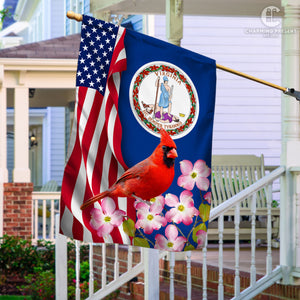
x=98, y=167
x=90, y=126
x=113, y=98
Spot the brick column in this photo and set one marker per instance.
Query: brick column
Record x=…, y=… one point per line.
x=17, y=209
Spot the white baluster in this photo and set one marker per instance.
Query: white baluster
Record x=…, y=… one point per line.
x=91, y=262
x=44, y=218
x=221, y=230
x=77, y=269
x=52, y=220
x=253, y=241
x=188, y=275
x=103, y=266
x=237, y=250
x=204, y=270
x=269, y=230
x=129, y=262
x=36, y=219
x=172, y=265
x=116, y=265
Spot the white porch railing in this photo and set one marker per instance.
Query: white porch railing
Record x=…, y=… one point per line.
x=255, y=288
x=45, y=206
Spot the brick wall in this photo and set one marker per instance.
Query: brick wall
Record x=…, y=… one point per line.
x=17, y=209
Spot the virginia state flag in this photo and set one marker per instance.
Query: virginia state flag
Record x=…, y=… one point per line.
x=130, y=85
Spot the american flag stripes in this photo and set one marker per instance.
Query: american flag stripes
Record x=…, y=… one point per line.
x=94, y=156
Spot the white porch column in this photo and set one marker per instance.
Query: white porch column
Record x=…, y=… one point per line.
x=174, y=21
x=21, y=172
x=3, y=138
x=290, y=157
x=3, y=154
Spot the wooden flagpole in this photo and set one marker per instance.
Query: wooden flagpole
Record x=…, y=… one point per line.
x=288, y=91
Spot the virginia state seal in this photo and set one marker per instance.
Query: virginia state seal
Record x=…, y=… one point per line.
x=163, y=95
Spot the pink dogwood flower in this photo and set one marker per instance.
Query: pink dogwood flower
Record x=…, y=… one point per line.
x=149, y=217
x=183, y=210
x=105, y=219
x=201, y=235
x=172, y=241
x=207, y=197
x=158, y=200
x=192, y=174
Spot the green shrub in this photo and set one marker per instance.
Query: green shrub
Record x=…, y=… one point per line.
x=17, y=256
x=36, y=264
x=40, y=285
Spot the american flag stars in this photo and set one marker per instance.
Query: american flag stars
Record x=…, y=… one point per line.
x=96, y=49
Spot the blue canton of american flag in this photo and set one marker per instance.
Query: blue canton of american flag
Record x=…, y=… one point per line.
x=96, y=50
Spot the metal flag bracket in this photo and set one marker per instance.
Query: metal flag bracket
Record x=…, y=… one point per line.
x=287, y=91
x=292, y=92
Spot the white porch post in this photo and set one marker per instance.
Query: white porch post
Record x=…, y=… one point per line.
x=21, y=172
x=174, y=21
x=290, y=156
x=3, y=152
x=151, y=274
x=3, y=141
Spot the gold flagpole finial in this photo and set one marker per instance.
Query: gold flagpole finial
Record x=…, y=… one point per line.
x=72, y=15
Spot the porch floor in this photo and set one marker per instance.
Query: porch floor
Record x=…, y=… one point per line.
x=245, y=257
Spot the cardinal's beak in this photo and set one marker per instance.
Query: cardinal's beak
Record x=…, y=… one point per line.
x=172, y=153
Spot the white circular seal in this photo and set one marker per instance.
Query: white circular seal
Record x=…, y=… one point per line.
x=163, y=95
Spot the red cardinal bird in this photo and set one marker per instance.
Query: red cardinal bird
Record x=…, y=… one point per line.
x=147, y=179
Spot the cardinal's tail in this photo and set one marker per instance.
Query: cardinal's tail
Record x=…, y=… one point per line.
x=94, y=199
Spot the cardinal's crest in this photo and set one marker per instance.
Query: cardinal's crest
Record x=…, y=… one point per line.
x=163, y=95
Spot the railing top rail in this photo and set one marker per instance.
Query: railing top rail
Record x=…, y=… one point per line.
x=45, y=195
x=228, y=204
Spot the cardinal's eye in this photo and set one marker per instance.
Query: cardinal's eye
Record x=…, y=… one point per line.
x=164, y=148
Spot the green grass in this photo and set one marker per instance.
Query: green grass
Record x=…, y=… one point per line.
x=14, y=297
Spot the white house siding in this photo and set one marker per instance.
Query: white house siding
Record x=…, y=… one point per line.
x=57, y=18
x=56, y=140
x=247, y=114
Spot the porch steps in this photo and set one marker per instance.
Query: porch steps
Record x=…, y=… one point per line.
x=275, y=292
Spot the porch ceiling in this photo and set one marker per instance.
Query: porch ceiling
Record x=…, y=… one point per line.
x=190, y=7
x=44, y=97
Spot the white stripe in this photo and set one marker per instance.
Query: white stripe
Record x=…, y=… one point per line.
x=73, y=131
x=105, y=169
x=95, y=144
x=66, y=223
x=78, y=193
x=86, y=109
x=122, y=55
x=119, y=34
x=111, y=128
x=87, y=235
x=113, y=113
x=122, y=202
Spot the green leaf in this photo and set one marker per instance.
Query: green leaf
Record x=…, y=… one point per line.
x=202, y=226
x=129, y=228
x=189, y=247
x=204, y=210
x=137, y=241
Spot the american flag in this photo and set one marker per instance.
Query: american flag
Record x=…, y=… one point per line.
x=94, y=159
